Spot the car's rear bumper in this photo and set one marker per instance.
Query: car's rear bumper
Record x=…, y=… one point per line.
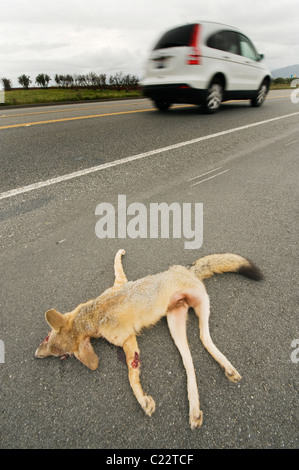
x=174, y=93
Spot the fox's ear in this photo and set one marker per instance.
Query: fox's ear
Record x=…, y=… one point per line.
x=86, y=354
x=55, y=319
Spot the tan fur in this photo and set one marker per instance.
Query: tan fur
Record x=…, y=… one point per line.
x=123, y=310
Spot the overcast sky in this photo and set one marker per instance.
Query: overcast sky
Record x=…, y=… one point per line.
x=109, y=36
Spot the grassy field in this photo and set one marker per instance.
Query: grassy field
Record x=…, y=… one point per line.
x=50, y=95
x=280, y=86
x=56, y=95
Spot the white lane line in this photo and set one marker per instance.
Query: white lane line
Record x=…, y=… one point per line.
x=210, y=177
x=86, y=171
x=291, y=143
x=204, y=174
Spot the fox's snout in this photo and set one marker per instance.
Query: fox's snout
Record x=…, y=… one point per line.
x=43, y=350
x=40, y=353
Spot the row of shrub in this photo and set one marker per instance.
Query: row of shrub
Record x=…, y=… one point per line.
x=283, y=81
x=117, y=81
x=90, y=80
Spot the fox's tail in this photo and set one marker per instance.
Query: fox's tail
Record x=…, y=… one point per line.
x=209, y=265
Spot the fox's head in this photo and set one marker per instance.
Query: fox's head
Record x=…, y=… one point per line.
x=62, y=341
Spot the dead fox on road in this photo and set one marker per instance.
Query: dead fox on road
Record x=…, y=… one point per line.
x=123, y=310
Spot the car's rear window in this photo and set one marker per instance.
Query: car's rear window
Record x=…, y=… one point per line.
x=176, y=37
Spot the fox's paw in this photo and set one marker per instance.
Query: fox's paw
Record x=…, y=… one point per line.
x=196, y=419
x=233, y=375
x=148, y=405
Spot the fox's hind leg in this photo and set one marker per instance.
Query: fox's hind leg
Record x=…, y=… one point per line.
x=120, y=277
x=202, y=310
x=176, y=319
x=132, y=352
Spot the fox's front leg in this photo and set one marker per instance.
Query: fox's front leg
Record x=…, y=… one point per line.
x=120, y=277
x=131, y=350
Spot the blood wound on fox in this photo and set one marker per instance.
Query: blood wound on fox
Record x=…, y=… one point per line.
x=136, y=362
x=46, y=338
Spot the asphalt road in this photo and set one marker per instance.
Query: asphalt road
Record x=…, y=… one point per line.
x=241, y=164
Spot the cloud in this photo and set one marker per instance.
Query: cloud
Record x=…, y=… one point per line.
x=72, y=36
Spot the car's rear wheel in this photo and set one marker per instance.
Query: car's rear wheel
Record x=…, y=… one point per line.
x=162, y=105
x=261, y=95
x=213, y=98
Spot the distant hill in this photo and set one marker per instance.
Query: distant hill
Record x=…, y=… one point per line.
x=286, y=72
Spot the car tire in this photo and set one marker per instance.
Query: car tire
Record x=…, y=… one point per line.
x=162, y=105
x=213, y=97
x=260, y=96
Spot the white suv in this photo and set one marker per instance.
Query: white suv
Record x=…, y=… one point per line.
x=205, y=63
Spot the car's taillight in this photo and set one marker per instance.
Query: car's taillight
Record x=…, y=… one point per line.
x=194, y=57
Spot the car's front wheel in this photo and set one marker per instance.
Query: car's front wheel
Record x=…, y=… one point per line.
x=261, y=95
x=213, y=98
